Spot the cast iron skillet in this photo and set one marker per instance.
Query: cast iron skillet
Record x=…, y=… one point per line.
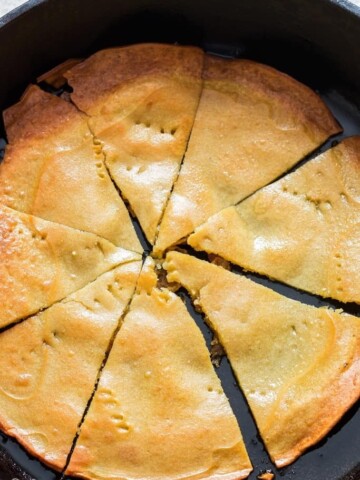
x=316, y=41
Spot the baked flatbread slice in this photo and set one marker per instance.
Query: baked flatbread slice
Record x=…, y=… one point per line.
x=42, y=262
x=303, y=230
x=253, y=124
x=159, y=406
x=53, y=170
x=50, y=362
x=298, y=366
x=142, y=101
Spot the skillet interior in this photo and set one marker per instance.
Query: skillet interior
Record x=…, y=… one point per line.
x=317, y=44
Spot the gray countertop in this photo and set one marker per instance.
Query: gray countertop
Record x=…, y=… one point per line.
x=7, y=5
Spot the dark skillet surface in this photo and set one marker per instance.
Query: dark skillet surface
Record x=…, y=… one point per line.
x=337, y=457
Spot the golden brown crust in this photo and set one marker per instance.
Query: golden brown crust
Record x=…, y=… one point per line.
x=39, y=115
x=253, y=124
x=50, y=363
x=43, y=262
x=142, y=102
x=159, y=404
x=303, y=230
x=107, y=71
x=278, y=86
x=268, y=475
x=148, y=278
x=53, y=170
x=306, y=359
x=339, y=396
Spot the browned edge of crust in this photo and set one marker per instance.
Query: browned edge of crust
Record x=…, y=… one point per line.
x=350, y=146
x=107, y=70
x=299, y=98
x=37, y=115
x=339, y=400
x=55, y=76
x=11, y=432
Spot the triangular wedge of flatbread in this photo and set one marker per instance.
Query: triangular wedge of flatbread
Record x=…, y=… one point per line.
x=50, y=362
x=42, y=262
x=253, y=124
x=53, y=170
x=159, y=411
x=142, y=101
x=303, y=230
x=298, y=366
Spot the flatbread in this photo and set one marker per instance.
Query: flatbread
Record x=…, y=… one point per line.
x=53, y=170
x=253, y=124
x=159, y=411
x=303, y=230
x=50, y=362
x=298, y=366
x=142, y=101
x=43, y=262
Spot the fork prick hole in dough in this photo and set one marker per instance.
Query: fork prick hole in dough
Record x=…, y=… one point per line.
x=124, y=428
x=56, y=335
x=118, y=417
